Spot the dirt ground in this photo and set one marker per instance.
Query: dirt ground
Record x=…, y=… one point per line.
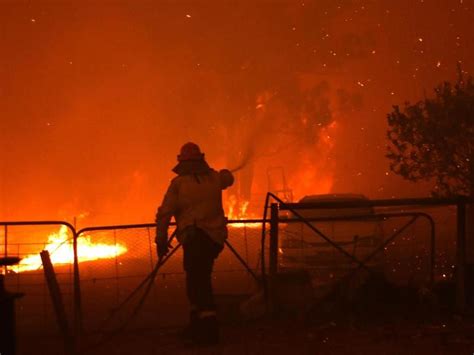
x=381, y=319
x=452, y=335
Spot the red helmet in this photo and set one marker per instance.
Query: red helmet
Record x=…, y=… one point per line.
x=190, y=151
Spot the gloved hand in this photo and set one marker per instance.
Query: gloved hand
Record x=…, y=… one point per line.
x=226, y=178
x=162, y=249
x=161, y=240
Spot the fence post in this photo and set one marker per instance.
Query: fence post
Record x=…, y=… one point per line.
x=57, y=301
x=273, y=254
x=5, y=237
x=461, y=257
x=77, y=294
x=433, y=252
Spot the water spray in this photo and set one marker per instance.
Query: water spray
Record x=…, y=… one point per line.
x=242, y=165
x=247, y=157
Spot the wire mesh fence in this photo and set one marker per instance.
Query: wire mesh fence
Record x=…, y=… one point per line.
x=115, y=260
x=112, y=263
x=411, y=246
x=106, y=284
x=34, y=310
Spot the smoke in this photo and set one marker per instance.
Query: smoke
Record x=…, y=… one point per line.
x=96, y=99
x=250, y=146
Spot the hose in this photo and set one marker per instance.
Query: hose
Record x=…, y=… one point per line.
x=148, y=281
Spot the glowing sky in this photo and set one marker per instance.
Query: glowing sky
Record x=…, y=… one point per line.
x=96, y=97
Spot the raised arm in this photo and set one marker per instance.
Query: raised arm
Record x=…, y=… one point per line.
x=226, y=178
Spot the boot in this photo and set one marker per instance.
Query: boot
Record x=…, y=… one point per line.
x=188, y=334
x=207, y=331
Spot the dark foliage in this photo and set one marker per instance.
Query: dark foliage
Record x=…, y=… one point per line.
x=434, y=139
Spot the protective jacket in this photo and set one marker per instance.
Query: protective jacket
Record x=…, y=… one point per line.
x=194, y=198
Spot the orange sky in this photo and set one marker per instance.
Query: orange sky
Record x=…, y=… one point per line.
x=96, y=97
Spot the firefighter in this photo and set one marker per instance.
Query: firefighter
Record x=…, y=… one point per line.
x=194, y=199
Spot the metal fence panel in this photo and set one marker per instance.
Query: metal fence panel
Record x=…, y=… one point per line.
x=417, y=244
x=106, y=284
x=34, y=310
x=127, y=254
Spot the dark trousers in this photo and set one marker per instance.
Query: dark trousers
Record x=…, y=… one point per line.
x=200, y=251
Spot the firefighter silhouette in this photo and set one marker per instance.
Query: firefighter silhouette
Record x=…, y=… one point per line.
x=194, y=198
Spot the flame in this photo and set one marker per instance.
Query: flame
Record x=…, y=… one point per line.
x=60, y=248
x=315, y=172
x=238, y=210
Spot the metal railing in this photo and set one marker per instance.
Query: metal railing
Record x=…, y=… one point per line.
x=246, y=256
x=294, y=208
x=114, y=279
x=241, y=258
x=36, y=286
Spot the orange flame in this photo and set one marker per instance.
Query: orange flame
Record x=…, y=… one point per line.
x=238, y=210
x=60, y=248
x=315, y=174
